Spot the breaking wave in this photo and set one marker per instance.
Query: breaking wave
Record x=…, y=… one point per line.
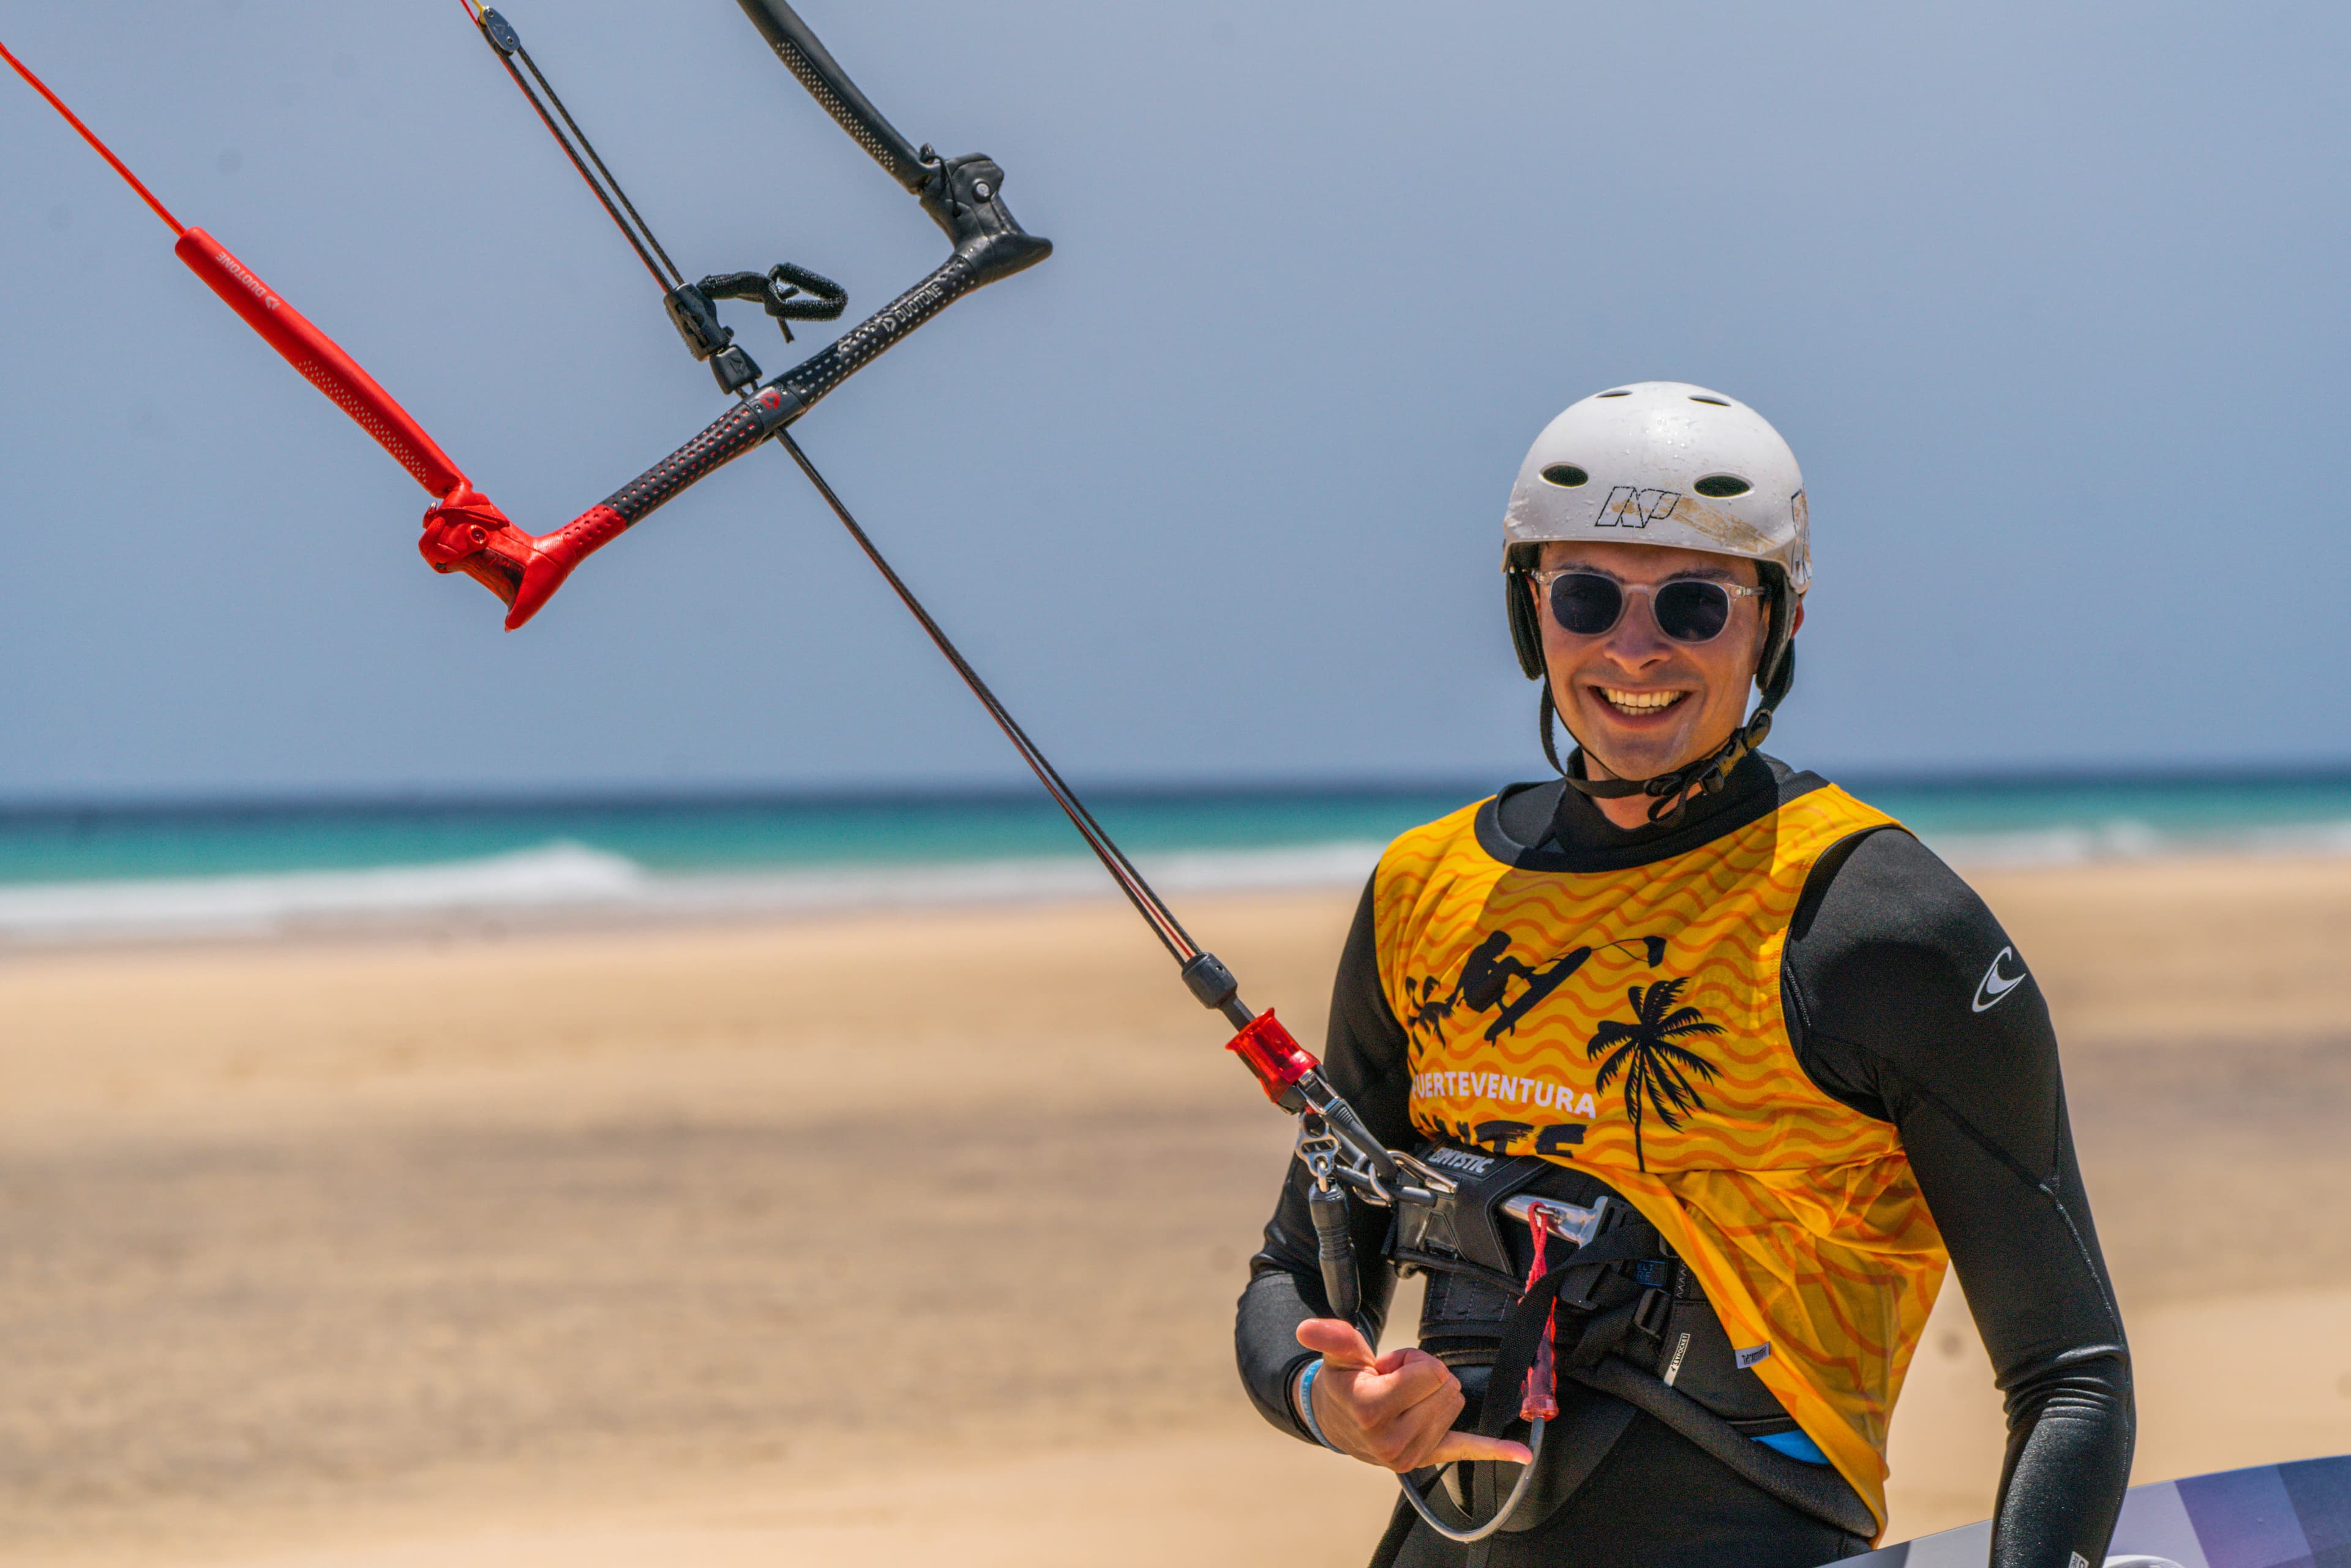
x=2129, y=839
x=567, y=880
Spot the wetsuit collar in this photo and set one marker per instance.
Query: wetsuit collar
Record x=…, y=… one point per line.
x=1549, y=827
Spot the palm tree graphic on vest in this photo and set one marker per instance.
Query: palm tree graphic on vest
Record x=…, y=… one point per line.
x=1657, y=1070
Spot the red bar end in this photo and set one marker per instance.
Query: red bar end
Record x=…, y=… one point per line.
x=466, y=533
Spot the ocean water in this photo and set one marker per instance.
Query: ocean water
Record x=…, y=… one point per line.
x=118, y=872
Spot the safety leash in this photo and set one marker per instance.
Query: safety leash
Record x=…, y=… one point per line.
x=1540, y=1401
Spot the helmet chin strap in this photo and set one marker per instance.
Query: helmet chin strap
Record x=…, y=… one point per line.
x=1671, y=791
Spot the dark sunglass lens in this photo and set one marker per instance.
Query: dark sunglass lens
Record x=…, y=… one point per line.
x=1585, y=603
x=1693, y=612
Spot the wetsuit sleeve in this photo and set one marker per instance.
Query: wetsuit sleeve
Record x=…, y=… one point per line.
x=1904, y=996
x=1365, y=1059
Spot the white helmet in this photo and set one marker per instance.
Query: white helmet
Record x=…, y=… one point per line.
x=1665, y=462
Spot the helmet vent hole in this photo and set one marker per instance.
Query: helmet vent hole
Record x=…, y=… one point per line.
x=1716, y=400
x=1621, y=392
x=1567, y=476
x=1720, y=487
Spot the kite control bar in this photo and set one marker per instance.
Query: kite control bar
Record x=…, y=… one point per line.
x=524, y=570
x=963, y=197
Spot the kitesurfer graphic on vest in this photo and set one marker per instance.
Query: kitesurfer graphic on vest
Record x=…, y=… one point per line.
x=1711, y=1025
x=1484, y=980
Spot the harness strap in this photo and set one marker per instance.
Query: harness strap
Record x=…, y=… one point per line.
x=1813, y=1489
x=1816, y=1489
x=1391, y=1546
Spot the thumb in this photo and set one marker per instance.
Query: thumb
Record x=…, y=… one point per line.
x=1339, y=1342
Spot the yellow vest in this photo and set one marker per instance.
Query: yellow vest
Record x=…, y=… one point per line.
x=1630, y=1022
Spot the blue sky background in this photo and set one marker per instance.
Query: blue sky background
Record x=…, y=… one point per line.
x=2049, y=301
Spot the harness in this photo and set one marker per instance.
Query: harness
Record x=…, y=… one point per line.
x=1562, y=1312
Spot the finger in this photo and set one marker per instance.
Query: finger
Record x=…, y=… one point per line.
x=1470, y=1446
x=1412, y=1384
x=1337, y=1341
x=1395, y=1360
x=1430, y=1423
x=1398, y=1442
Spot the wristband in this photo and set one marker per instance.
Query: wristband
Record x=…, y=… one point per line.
x=1306, y=1404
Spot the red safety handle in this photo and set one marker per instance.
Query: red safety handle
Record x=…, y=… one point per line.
x=1538, y=1400
x=323, y=364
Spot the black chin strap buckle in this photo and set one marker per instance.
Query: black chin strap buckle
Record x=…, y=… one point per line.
x=1668, y=793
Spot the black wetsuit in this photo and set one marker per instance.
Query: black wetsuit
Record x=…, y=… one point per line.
x=1974, y=1092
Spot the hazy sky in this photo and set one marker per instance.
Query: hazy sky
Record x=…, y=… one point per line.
x=2049, y=301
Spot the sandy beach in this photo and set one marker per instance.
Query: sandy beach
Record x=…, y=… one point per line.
x=913, y=1238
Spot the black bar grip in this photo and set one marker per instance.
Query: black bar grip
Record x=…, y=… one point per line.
x=834, y=364
x=725, y=438
x=969, y=200
x=830, y=85
x=1335, y=1250
x=466, y=533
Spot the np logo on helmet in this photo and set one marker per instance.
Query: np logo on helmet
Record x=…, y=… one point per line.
x=1627, y=507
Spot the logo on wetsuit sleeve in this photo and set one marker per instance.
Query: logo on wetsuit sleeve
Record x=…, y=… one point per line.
x=1994, y=988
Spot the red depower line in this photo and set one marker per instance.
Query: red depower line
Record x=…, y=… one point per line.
x=90, y=136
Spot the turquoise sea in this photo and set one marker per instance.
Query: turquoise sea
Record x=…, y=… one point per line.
x=78, y=873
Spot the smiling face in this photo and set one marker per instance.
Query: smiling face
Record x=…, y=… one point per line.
x=1641, y=702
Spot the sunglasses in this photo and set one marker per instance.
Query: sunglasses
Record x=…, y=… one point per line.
x=1687, y=608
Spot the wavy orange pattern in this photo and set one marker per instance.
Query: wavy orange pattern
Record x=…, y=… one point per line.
x=1798, y=1214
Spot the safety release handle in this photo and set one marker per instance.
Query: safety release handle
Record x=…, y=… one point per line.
x=321, y=362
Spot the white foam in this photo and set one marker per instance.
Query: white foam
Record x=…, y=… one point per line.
x=553, y=875
x=1013, y=880
x=2129, y=839
x=565, y=879
x=573, y=879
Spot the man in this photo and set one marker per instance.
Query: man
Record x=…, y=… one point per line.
x=1730, y=1009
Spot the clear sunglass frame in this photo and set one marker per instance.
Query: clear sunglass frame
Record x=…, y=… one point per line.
x=1625, y=591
